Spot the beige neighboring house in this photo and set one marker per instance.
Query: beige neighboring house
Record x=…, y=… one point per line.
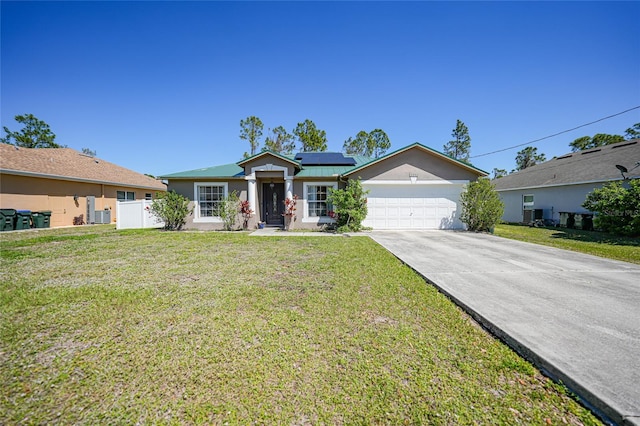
x=415, y=187
x=75, y=187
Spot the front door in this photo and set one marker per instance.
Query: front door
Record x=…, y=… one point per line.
x=273, y=203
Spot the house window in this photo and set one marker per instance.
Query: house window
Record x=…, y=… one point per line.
x=315, y=195
x=208, y=197
x=527, y=200
x=125, y=195
x=148, y=196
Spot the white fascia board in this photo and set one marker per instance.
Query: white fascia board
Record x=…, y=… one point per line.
x=558, y=185
x=419, y=182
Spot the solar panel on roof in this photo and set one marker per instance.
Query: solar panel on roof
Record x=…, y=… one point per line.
x=324, y=159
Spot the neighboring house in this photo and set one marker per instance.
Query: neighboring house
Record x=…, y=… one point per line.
x=561, y=184
x=75, y=187
x=415, y=187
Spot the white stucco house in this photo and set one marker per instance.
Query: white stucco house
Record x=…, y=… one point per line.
x=415, y=187
x=555, y=188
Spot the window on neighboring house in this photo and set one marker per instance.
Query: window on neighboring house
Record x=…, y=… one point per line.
x=148, y=196
x=316, y=197
x=209, y=196
x=125, y=195
x=527, y=200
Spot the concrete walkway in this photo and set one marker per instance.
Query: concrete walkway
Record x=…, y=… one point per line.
x=575, y=316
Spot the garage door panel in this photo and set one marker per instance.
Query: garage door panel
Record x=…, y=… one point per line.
x=413, y=206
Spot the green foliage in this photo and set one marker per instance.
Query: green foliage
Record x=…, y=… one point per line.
x=311, y=138
x=617, y=207
x=498, y=173
x=373, y=144
x=251, y=130
x=35, y=133
x=481, y=206
x=633, y=132
x=172, y=208
x=349, y=206
x=589, y=142
x=460, y=147
x=528, y=157
x=89, y=152
x=280, y=141
x=228, y=210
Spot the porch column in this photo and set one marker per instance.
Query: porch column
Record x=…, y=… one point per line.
x=288, y=187
x=251, y=194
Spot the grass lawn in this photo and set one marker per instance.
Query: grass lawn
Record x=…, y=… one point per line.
x=99, y=326
x=590, y=242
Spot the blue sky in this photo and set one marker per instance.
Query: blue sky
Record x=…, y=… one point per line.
x=161, y=87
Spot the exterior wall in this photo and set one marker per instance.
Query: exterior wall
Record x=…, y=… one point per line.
x=186, y=189
x=38, y=194
x=414, y=162
x=302, y=220
x=552, y=200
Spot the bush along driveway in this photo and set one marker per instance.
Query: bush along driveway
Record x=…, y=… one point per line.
x=574, y=315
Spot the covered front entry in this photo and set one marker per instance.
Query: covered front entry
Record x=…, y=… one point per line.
x=273, y=203
x=413, y=206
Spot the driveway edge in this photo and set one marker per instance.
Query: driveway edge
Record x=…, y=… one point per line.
x=605, y=411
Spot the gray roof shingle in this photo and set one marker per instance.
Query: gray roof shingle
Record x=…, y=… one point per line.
x=591, y=165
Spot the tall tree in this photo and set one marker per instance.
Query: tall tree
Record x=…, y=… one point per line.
x=251, y=130
x=35, y=133
x=373, y=144
x=460, y=147
x=633, y=132
x=498, y=173
x=528, y=157
x=379, y=143
x=311, y=138
x=280, y=141
x=89, y=152
x=357, y=145
x=589, y=142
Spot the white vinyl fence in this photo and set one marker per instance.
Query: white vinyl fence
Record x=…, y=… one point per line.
x=136, y=214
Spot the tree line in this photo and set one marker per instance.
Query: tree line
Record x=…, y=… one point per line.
x=311, y=139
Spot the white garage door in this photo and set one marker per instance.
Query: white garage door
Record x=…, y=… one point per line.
x=413, y=206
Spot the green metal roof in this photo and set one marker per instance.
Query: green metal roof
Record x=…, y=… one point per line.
x=223, y=171
x=235, y=171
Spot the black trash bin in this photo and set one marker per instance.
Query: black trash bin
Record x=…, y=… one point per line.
x=7, y=219
x=41, y=219
x=23, y=219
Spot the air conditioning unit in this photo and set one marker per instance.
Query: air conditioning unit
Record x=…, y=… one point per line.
x=103, y=216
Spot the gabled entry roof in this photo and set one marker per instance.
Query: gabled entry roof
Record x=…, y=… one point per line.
x=269, y=153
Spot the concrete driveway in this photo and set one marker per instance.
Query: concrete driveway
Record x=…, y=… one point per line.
x=577, y=317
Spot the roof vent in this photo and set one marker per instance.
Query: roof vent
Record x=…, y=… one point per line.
x=96, y=161
x=564, y=156
x=624, y=144
x=589, y=152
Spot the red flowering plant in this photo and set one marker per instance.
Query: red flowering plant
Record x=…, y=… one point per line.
x=246, y=213
x=290, y=206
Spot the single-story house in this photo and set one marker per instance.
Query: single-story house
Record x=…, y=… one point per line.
x=75, y=187
x=556, y=188
x=415, y=187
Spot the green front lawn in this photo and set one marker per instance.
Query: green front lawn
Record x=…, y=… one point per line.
x=590, y=242
x=105, y=327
